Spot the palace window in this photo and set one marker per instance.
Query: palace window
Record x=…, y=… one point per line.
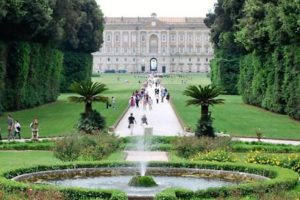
x=125, y=37
x=181, y=37
x=190, y=37
x=117, y=38
x=173, y=37
x=164, y=37
x=108, y=37
x=153, y=46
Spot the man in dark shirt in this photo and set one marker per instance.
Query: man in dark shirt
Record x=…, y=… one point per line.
x=131, y=121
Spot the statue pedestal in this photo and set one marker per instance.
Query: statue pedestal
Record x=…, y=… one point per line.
x=148, y=130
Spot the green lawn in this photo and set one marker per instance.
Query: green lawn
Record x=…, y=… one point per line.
x=59, y=118
x=18, y=159
x=233, y=116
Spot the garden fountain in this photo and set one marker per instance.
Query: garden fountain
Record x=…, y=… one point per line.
x=166, y=175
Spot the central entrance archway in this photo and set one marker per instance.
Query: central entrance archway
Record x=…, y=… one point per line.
x=153, y=64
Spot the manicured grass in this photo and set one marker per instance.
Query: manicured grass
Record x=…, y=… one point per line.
x=233, y=117
x=13, y=159
x=60, y=118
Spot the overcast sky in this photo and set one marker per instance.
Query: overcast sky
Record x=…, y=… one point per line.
x=163, y=8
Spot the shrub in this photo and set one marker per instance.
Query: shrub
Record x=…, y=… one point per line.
x=91, y=124
x=204, y=127
x=142, y=181
x=67, y=149
x=188, y=146
x=218, y=155
x=238, y=146
x=88, y=146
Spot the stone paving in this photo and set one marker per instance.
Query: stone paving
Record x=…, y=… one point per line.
x=161, y=118
x=146, y=156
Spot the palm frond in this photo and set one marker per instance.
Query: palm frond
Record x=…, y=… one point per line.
x=203, y=95
x=89, y=91
x=76, y=99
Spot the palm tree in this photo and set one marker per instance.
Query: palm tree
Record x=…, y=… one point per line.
x=88, y=92
x=204, y=97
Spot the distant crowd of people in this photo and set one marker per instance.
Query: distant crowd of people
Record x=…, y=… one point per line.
x=14, y=129
x=142, y=97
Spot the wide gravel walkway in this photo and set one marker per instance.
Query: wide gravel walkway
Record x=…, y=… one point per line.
x=161, y=118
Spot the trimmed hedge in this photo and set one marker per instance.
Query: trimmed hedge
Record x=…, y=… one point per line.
x=279, y=179
x=259, y=146
x=77, y=68
x=30, y=74
x=30, y=145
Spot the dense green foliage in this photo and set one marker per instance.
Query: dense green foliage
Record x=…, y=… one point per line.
x=189, y=146
x=74, y=25
x=265, y=34
x=88, y=147
x=142, y=181
x=225, y=65
x=77, y=67
x=29, y=75
x=29, y=59
x=94, y=123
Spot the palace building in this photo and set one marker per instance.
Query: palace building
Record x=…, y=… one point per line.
x=144, y=44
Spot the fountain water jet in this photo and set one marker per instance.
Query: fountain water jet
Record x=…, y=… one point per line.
x=142, y=180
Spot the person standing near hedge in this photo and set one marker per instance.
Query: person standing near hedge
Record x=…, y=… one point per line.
x=10, y=127
x=34, y=125
x=17, y=129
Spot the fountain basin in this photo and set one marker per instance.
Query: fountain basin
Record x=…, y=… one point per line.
x=118, y=178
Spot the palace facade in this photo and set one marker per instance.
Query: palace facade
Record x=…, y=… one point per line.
x=144, y=44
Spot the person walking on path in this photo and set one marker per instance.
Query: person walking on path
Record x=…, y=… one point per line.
x=10, y=127
x=137, y=100
x=17, y=129
x=150, y=102
x=132, y=101
x=34, y=125
x=144, y=120
x=113, y=102
x=131, y=121
x=168, y=97
x=162, y=94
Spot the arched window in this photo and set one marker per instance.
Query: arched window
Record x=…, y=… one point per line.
x=153, y=44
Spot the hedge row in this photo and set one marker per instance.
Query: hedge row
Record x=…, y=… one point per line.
x=272, y=81
x=259, y=146
x=279, y=179
x=30, y=74
x=77, y=67
x=44, y=145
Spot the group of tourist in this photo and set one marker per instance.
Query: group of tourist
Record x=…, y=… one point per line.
x=14, y=129
x=143, y=97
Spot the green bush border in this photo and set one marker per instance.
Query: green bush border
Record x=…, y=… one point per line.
x=280, y=178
